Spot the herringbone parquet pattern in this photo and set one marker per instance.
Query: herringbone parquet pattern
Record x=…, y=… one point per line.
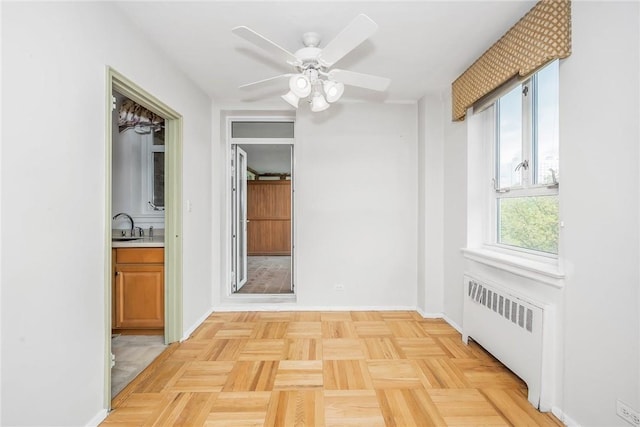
x=325, y=369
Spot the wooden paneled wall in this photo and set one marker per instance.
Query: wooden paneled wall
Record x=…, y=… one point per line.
x=269, y=215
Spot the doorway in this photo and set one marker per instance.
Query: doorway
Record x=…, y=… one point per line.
x=156, y=203
x=262, y=208
x=137, y=211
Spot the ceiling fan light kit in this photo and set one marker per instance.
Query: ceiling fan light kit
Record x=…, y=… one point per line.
x=314, y=77
x=318, y=103
x=300, y=85
x=291, y=98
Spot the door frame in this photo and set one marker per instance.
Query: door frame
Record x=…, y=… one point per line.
x=239, y=227
x=173, y=212
x=230, y=141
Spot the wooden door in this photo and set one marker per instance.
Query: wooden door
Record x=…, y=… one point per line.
x=269, y=215
x=139, y=296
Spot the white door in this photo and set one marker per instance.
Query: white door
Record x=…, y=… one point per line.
x=239, y=214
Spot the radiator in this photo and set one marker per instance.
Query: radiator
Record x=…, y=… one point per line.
x=515, y=330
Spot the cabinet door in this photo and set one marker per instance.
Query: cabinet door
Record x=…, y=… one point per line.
x=139, y=296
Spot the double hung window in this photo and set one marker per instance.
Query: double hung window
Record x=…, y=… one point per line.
x=526, y=165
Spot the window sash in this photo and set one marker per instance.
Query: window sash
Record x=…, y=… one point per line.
x=531, y=139
x=528, y=187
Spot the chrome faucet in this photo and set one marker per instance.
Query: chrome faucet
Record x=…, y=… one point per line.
x=130, y=220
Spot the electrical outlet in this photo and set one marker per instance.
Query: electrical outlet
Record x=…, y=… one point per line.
x=625, y=412
x=338, y=287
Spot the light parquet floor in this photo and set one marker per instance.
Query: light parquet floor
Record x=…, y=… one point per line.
x=325, y=369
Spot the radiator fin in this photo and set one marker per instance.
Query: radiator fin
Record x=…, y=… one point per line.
x=510, y=309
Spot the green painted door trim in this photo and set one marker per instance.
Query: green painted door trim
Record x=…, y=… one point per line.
x=173, y=212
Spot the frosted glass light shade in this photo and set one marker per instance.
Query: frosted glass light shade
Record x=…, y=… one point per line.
x=300, y=85
x=333, y=90
x=291, y=98
x=318, y=103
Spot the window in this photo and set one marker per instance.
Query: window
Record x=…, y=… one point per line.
x=526, y=172
x=262, y=129
x=155, y=171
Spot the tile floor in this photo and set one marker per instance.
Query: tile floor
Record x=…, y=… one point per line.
x=268, y=275
x=133, y=353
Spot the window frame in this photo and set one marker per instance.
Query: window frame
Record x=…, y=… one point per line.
x=529, y=187
x=152, y=175
x=148, y=171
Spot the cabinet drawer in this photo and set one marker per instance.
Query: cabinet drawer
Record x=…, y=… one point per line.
x=139, y=255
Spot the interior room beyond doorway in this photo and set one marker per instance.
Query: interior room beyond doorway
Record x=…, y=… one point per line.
x=268, y=219
x=268, y=275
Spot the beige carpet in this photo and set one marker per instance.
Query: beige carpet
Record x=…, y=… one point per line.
x=268, y=275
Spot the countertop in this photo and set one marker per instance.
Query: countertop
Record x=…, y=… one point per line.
x=157, y=241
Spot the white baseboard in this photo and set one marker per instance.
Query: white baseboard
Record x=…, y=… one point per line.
x=193, y=327
x=453, y=324
x=442, y=316
x=564, y=418
x=287, y=307
x=427, y=315
x=98, y=418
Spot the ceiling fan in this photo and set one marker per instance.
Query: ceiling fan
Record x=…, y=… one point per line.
x=314, y=77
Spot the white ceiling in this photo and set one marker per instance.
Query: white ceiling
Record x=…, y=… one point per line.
x=421, y=45
x=268, y=158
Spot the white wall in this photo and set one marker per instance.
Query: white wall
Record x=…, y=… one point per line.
x=598, y=324
x=54, y=58
x=455, y=211
x=430, y=205
x=599, y=112
x=356, y=207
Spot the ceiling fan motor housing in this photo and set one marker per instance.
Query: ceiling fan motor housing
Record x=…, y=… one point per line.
x=308, y=55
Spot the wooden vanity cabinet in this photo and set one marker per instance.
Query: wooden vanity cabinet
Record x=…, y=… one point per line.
x=138, y=290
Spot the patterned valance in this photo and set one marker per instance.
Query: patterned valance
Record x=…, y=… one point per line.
x=542, y=35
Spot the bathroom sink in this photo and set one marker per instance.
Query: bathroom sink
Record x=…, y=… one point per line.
x=124, y=239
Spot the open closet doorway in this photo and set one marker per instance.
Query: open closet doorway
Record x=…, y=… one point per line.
x=262, y=250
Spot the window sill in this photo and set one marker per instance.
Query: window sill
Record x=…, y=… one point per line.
x=543, y=272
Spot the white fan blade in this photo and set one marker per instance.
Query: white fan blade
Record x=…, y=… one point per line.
x=275, y=50
x=366, y=81
x=349, y=38
x=264, y=81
